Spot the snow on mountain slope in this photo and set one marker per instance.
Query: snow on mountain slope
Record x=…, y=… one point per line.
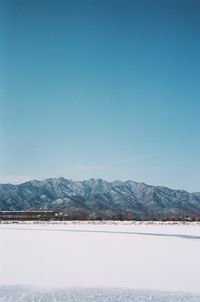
x=97, y=194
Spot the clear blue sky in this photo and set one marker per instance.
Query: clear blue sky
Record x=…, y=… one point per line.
x=101, y=88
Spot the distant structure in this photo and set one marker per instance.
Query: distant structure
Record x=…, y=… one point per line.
x=27, y=215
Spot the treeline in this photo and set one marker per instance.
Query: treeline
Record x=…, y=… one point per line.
x=88, y=214
x=82, y=214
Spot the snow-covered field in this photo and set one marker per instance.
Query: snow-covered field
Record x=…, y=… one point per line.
x=99, y=262
x=24, y=294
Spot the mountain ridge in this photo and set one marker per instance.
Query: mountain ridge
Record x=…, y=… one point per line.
x=98, y=195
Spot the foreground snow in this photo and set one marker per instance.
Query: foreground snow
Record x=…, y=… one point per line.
x=159, y=257
x=13, y=294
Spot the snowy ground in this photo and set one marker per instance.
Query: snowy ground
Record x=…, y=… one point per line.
x=23, y=294
x=156, y=257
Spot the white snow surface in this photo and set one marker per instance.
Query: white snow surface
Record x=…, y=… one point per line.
x=24, y=294
x=161, y=257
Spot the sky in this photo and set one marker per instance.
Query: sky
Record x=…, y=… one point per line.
x=100, y=89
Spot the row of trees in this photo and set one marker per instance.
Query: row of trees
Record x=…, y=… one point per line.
x=82, y=214
x=87, y=214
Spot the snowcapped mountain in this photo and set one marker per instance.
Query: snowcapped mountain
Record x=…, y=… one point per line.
x=98, y=195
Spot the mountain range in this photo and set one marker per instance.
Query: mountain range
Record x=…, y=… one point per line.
x=96, y=196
